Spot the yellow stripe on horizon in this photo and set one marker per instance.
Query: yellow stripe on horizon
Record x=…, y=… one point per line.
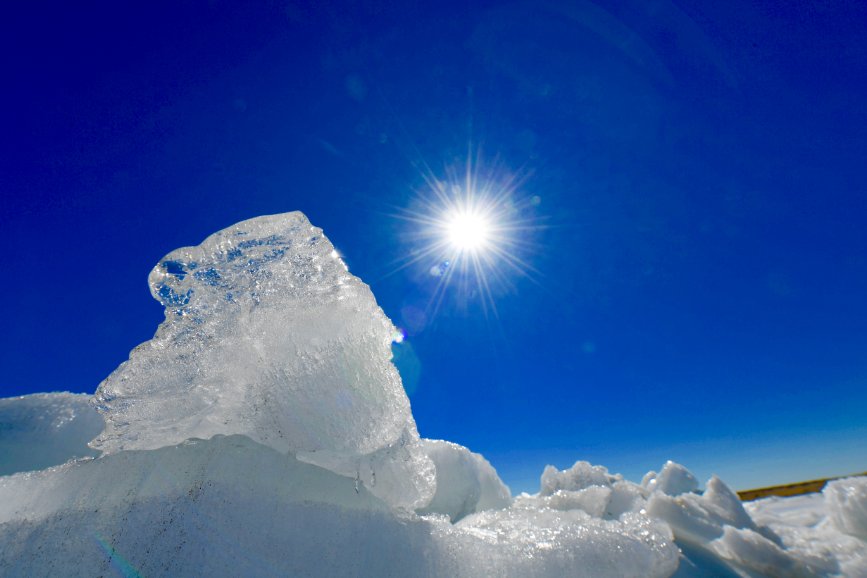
x=795, y=489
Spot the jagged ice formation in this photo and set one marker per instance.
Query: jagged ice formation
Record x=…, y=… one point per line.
x=264, y=431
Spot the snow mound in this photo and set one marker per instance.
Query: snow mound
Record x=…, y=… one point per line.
x=754, y=554
x=808, y=532
x=583, y=519
x=847, y=505
x=672, y=480
x=227, y=506
x=231, y=506
x=45, y=429
x=700, y=518
x=466, y=483
x=526, y=540
x=715, y=528
x=266, y=334
x=581, y=475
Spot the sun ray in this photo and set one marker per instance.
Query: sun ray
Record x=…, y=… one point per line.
x=472, y=232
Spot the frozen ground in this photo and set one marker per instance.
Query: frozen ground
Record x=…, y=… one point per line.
x=264, y=431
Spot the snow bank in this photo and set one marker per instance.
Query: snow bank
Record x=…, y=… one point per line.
x=46, y=429
x=847, y=505
x=715, y=525
x=264, y=431
x=465, y=482
x=227, y=506
x=808, y=532
x=231, y=506
x=700, y=518
x=529, y=540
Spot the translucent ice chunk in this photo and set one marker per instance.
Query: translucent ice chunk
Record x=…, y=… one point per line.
x=45, y=429
x=266, y=334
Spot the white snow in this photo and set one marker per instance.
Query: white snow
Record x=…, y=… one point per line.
x=46, y=429
x=581, y=475
x=465, y=482
x=701, y=518
x=808, y=527
x=847, y=505
x=264, y=431
x=672, y=480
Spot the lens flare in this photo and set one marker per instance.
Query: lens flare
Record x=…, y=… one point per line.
x=471, y=232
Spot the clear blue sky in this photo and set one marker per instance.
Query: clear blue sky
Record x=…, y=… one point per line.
x=701, y=249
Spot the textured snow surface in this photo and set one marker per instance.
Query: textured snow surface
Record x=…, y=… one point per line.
x=579, y=476
x=672, y=480
x=808, y=530
x=847, y=504
x=46, y=429
x=264, y=431
x=465, y=482
x=230, y=506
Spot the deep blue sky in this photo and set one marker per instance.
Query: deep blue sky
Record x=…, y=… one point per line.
x=700, y=256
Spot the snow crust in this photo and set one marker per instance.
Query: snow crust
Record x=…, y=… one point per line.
x=847, y=505
x=46, y=429
x=672, y=480
x=465, y=482
x=230, y=506
x=808, y=531
x=264, y=431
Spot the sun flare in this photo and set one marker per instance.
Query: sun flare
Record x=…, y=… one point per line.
x=468, y=230
x=471, y=231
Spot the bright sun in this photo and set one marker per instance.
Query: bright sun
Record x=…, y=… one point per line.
x=468, y=231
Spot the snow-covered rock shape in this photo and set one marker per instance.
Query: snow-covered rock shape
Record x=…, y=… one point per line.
x=466, y=482
x=267, y=335
x=45, y=429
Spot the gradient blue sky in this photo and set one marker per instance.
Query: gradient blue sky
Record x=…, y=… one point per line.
x=699, y=243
